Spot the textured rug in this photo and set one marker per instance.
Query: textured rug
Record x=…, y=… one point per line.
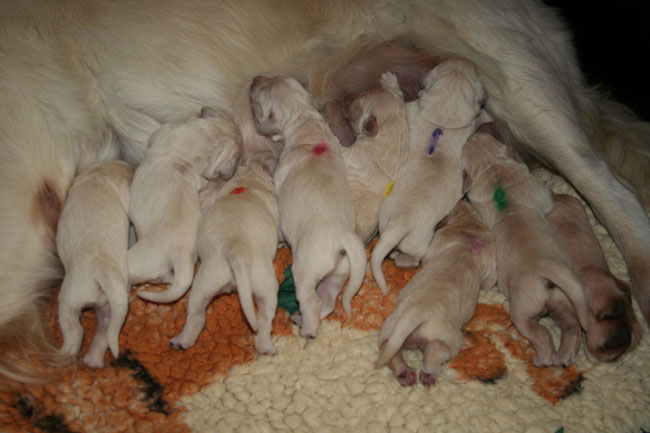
x=330, y=384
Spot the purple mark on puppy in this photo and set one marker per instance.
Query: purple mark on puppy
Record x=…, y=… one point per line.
x=433, y=141
x=477, y=245
x=320, y=149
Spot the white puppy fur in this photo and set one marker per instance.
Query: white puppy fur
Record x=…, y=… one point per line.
x=92, y=241
x=441, y=298
x=316, y=208
x=378, y=120
x=430, y=182
x=68, y=100
x=165, y=208
x=237, y=242
x=534, y=270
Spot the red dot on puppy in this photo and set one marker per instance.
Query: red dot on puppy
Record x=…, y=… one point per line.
x=320, y=149
x=238, y=190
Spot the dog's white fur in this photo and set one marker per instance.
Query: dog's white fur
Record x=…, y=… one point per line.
x=237, y=242
x=316, y=207
x=82, y=83
x=441, y=298
x=92, y=242
x=428, y=186
x=165, y=208
x=534, y=270
x=378, y=120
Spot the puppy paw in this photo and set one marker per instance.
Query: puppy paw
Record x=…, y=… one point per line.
x=542, y=361
x=94, y=360
x=407, y=377
x=264, y=346
x=177, y=343
x=562, y=359
x=428, y=379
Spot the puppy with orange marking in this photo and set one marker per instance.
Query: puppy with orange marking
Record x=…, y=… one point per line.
x=92, y=242
x=534, y=269
x=378, y=120
x=430, y=182
x=316, y=208
x=165, y=208
x=441, y=298
x=613, y=328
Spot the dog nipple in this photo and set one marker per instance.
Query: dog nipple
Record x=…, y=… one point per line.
x=320, y=149
x=238, y=190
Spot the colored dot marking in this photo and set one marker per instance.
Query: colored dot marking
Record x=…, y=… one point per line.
x=500, y=199
x=476, y=245
x=238, y=190
x=320, y=149
x=388, y=189
x=433, y=141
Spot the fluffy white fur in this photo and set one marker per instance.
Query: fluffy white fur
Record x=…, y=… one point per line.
x=316, y=207
x=429, y=185
x=83, y=82
x=378, y=120
x=92, y=242
x=165, y=208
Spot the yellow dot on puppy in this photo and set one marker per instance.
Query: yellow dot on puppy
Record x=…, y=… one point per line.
x=388, y=189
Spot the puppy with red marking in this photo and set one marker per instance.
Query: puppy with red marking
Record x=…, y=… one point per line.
x=317, y=217
x=430, y=182
x=613, y=327
x=237, y=242
x=165, y=208
x=441, y=298
x=92, y=242
x=533, y=269
x=378, y=120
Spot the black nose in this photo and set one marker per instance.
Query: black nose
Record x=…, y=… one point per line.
x=622, y=337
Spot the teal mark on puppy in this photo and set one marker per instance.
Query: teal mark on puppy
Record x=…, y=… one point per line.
x=499, y=198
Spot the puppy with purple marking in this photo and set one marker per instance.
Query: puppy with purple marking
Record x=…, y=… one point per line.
x=237, y=242
x=440, y=299
x=92, y=242
x=317, y=217
x=533, y=268
x=165, y=208
x=613, y=327
x=429, y=183
x=378, y=120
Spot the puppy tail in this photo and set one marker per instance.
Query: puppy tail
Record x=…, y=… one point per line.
x=241, y=270
x=387, y=241
x=116, y=289
x=564, y=279
x=399, y=328
x=357, y=256
x=183, y=266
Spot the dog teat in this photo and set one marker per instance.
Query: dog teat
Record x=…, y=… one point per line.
x=433, y=141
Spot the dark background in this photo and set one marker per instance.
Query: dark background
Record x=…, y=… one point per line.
x=612, y=40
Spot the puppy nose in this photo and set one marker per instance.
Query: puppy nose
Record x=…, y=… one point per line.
x=622, y=338
x=257, y=81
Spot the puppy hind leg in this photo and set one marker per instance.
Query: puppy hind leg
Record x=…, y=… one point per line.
x=328, y=289
x=183, y=265
x=71, y=328
x=309, y=301
x=564, y=317
x=403, y=372
x=95, y=356
x=266, y=298
x=146, y=263
x=436, y=353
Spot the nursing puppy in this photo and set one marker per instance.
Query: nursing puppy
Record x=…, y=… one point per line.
x=237, y=242
x=165, y=208
x=316, y=208
x=534, y=269
x=379, y=123
x=613, y=328
x=430, y=182
x=440, y=299
x=92, y=241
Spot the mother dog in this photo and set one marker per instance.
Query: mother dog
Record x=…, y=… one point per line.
x=82, y=81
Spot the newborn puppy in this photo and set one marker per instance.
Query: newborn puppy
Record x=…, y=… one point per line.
x=441, y=298
x=316, y=208
x=613, y=327
x=165, y=206
x=237, y=242
x=534, y=270
x=379, y=122
x=92, y=241
x=430, y=183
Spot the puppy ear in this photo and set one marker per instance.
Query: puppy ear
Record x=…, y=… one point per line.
x=223, y=160
x=467, y=182
x=268, y=126
x=370, y=126
x=209, y=113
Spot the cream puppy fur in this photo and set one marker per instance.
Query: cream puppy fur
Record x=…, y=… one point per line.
x=378, y=120
x=165, y=207
x=237, y=242
x=534, y=269
x=441, y=298
x=316, y=209
x=430, y=182
x=92, y=241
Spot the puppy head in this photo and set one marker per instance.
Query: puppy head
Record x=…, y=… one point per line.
x=276, y=100
x=264, y=163
x=224, y=155
x=479, y=152
x=452, y=94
